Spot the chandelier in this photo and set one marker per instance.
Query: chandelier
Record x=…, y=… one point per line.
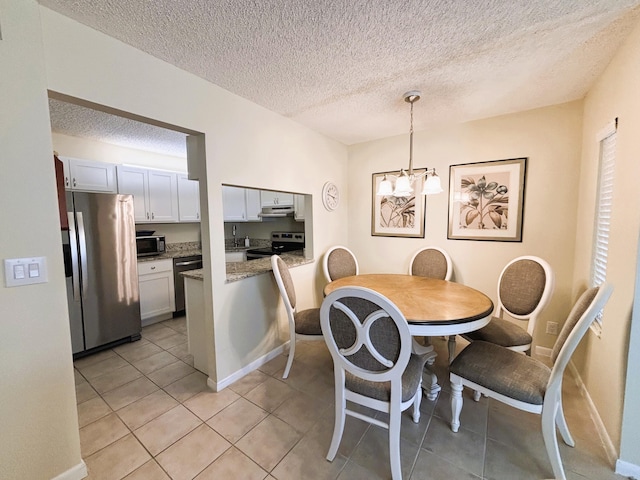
x=405, y=180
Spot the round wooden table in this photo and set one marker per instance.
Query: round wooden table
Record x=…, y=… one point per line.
x=432, y=307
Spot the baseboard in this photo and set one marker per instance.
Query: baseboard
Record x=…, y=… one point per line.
x=609, y=448
x=543, y=351
x=77, y=472
x=217, y=386
x=627, y=469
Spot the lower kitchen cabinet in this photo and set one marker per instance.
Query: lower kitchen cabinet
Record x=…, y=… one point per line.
x=157, y=291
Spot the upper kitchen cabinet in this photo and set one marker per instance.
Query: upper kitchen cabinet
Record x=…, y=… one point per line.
x=275, y=199
x=155, y=193
x=188, y=199
x=240, y=204
x=88, y=176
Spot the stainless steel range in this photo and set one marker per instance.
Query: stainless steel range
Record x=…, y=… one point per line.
x=281, y=242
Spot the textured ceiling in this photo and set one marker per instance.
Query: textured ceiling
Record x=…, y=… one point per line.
x=341, y=66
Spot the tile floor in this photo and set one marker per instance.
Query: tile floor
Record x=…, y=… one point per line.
x=146, y=413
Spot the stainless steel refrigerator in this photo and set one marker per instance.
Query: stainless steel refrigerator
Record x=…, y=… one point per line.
x=101, y=270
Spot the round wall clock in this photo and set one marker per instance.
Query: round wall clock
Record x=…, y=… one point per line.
x=330, y=196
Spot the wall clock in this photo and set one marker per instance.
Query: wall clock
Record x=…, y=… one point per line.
x=330, y=196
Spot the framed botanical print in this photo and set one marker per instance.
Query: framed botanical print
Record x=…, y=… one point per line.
x=486, y=200
x=398, y=216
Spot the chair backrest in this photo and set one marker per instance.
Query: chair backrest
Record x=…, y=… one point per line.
x=366, y=335
x=432, y=262
x=339, y=262
x=524, y=289
x=582, y=315
x=285, y=284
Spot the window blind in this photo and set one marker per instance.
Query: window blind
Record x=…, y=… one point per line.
x=604, y=205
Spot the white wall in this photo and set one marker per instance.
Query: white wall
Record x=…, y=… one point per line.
x=88, y=149
x=243, y=143
x=549, y=137
x=38, y=419
x=603, y=363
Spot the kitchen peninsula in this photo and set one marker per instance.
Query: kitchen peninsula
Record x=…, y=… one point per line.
x=194, y=294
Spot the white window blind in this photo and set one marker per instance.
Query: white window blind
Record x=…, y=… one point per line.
x=604, y=205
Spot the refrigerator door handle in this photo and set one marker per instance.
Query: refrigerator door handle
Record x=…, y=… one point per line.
x=73, y=243
x=83, y=253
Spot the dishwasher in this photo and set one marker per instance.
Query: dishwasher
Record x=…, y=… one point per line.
x=182, y=264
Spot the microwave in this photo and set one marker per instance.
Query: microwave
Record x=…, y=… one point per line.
x=150, y=245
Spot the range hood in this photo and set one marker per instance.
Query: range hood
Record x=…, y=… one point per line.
x=276, y=211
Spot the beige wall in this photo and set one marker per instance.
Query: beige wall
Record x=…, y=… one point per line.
x=38, y=416
x=242, y=141
x=549, y=137
x=603, y=361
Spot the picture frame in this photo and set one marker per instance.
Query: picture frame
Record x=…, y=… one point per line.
x=486, y=200
x=398, y=216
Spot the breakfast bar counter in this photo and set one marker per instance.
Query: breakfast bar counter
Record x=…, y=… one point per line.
x=241, y=270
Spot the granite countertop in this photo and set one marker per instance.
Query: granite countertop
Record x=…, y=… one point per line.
x=241, y=270
x=176, y=250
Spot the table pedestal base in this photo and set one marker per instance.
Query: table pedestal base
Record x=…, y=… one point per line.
x=430, y=385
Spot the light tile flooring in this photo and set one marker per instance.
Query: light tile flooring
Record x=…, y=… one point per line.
x=146, y=413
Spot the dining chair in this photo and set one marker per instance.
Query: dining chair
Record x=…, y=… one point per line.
x=339, y=262
x=524, y=382
x=304, y=324
x=432, y=262
x=369, y=341
x=525, y=286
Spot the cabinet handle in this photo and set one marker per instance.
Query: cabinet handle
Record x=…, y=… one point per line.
x=198, y=216
x=147, y=215
x=153, y=268
x=74, y=182
x=66, y=181
x=152, y=216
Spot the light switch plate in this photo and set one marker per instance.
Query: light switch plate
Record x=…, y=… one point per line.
x=25, y=271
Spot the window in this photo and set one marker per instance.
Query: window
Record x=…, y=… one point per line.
x=603, y=207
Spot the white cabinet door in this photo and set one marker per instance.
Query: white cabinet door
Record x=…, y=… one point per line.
x=298, y=211
x=254, y=208
x=269, y=198
x=163, y=196
x=133, y=180
x=157, y=291
x=89, y=176
x=188, y=199
x=234, y=207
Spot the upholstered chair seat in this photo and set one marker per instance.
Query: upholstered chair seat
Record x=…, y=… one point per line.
x=303, y=324
x=369, y=341
x=523, y=382
x=524, y=290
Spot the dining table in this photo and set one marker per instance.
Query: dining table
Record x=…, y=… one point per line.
x=432, y=307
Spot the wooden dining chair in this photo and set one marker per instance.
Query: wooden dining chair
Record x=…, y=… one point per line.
x=432, y=262
x=524, y=290
x=524, y=382
x=369, y=341
x=304, y=324
x=339, y=262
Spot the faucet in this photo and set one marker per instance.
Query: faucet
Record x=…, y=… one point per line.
x=233, y=232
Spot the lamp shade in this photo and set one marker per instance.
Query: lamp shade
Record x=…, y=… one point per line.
x=403, y=186
x=432, y=185
x=385, y=187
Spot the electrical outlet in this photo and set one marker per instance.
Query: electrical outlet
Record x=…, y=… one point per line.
x=552, y=328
